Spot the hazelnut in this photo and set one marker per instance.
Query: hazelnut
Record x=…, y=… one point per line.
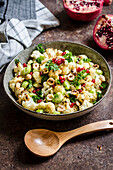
x=50, y=97
x=50, y=81
x=70, y=77
x=45, y=70
x=96, y=66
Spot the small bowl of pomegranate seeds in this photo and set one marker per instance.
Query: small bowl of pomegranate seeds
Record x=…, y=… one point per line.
x=83, y=10
x=57, y=80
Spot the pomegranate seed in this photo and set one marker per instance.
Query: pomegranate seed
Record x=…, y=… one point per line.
x=34, y=91
x=101, y=88
x=53, y=85
x=83, y=68
x=24, y=65
x=59, y=61
x=87, y=71
x=78, y=69
x=31, y=73
x=41, y=73
x=38, y=101
x=18, y=76
x=80, y=90
x=72, y=104
x=63, y=53
x=53, y=59
x=83, y=85
x=60, y=78
x=63, y=60
x=93, y=80
x=62, y=81
x=37, y=89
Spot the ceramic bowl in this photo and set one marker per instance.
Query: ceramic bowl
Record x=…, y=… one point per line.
x=76, y=49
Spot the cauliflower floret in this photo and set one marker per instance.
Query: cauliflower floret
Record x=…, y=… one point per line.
x=65, y=70
x=37, y=77
x=86, y=104
x=86, y=65
x=36, y=54
x=18, y=68
x=89, y=85
x=50, y=107
x=59, y=88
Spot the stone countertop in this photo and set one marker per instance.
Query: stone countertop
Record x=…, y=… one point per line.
x=78, y=153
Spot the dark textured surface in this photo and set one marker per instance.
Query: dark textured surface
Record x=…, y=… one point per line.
x=79, y=153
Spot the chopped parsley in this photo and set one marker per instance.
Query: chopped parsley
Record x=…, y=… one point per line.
x=86, y=60
x=51, y=66
x=16, y=61
x=103, y=85
x=30, y=84
x=38, y=96
x=99, y=96
x=44, y=77
x=58, y=82
x=72, y=98
x=39, y=59
x=68, y=57
x=79, y=76
x=39, y=48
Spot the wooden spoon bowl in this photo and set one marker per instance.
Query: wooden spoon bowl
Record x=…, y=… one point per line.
x=44, y=143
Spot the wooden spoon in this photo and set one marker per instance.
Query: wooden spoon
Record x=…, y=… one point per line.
x=44, y=143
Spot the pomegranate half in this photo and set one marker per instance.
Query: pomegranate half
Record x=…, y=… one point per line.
x=83, y=10
x=103, y=32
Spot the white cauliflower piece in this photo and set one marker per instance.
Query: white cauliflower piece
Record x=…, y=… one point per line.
x=86, y=104
x=37, y=77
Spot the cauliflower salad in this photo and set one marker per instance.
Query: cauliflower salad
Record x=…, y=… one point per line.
x=57, y=82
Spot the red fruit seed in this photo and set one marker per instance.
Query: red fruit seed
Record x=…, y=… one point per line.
x=83, y=85
x=72, y=104
x=34, y=91
x=80, y=90
x=53, y=85
x=62, y=81
x=31, y=73
x=63, y=53
x=93, y=80
x=41, y=73
x=24, y=65
x=38, y=101
x=60, y=78
x=87, y=71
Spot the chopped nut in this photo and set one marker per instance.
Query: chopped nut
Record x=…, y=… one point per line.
x=96, y=66
x=50, y=81
x=70, y=77
x=45, y=70
x=50, y=97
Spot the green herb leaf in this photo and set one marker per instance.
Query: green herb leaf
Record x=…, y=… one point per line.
x=99, y=96
x=16, y=61
x=39, y=93
x=72, y=98
x=30, y=84
x=86, y=60
x=44, y=77
x=103, y=85
x=58, y=82
x=68, y=57
x=35, y=98
x=39, y=59
x=51, y=66
x=39, y=48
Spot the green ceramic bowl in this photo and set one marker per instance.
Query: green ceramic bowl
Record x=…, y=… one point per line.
x=62, y=45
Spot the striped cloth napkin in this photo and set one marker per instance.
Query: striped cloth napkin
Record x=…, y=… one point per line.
x=15, y=35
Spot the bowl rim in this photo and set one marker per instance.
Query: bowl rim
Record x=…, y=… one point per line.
x=63, y=114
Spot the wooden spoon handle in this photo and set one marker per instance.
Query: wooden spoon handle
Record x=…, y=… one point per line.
x=93, y=127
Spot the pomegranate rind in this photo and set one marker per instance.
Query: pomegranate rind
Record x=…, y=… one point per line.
x=107, y=2
x=99, y=21
x=83, y=16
